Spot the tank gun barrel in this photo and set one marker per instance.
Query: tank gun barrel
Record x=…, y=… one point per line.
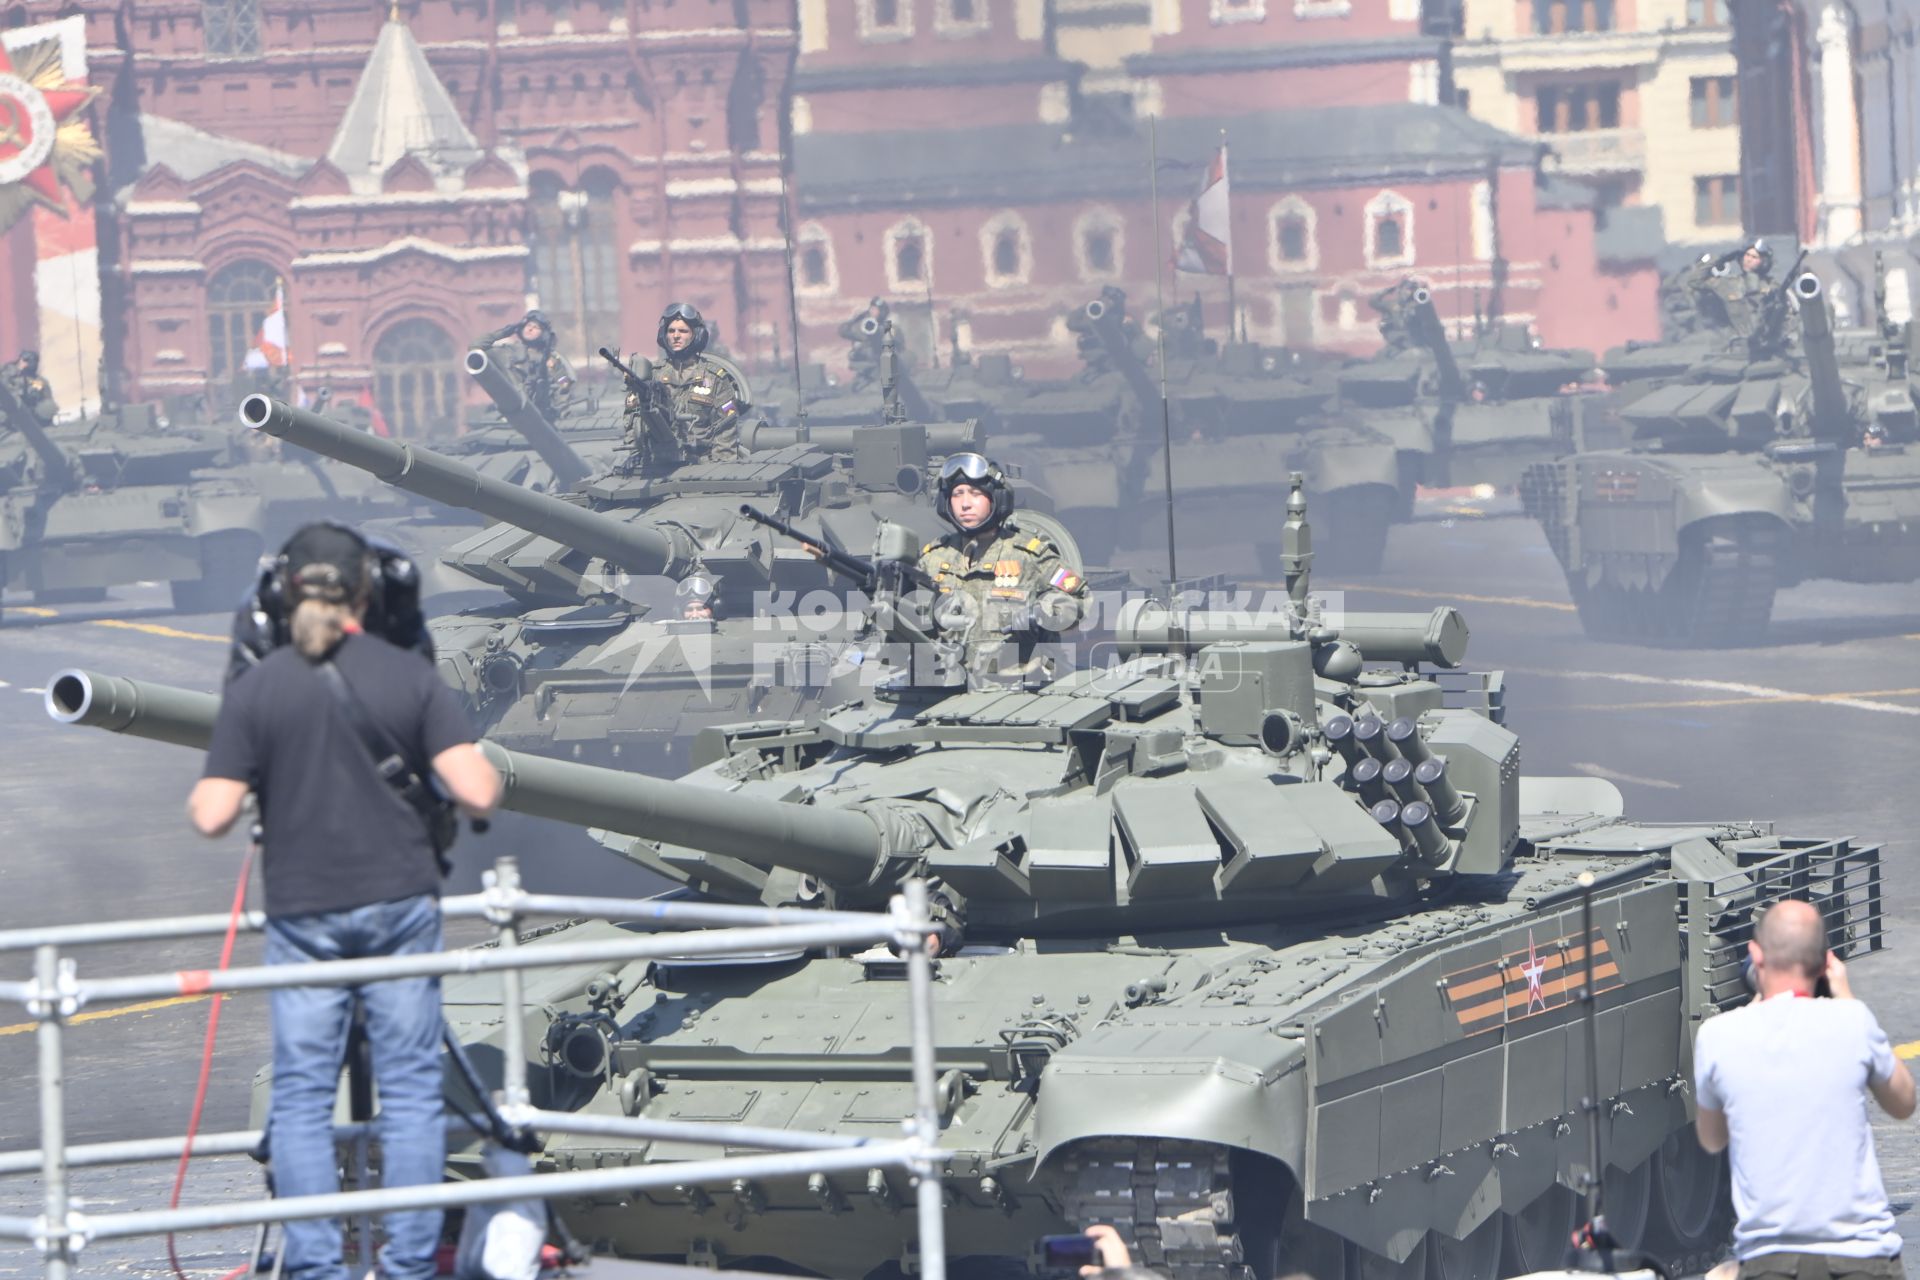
x=942, y=437
x=840, y=846
x=1431, y=334
x=511, y=399
x=1438, y=638
x=1105, y=324
x=59, y=466
x=1831, y=417
x=637, y=548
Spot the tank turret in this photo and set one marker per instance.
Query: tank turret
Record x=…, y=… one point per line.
x=635, y=547
x=60, y=469
x=569, y=469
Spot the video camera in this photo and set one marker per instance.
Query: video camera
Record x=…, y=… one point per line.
x=261, y=623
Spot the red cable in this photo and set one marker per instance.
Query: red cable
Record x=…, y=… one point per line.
x=206, y=1058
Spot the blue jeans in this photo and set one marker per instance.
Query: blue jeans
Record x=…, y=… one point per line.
x=309, y=1041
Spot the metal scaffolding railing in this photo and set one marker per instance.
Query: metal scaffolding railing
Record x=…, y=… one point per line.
x=57, y=992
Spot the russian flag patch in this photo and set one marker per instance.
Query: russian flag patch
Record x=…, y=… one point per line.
x=1064, y=580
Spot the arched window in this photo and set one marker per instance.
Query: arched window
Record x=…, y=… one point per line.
x=815, y=271
x=239, y=297
x=231, y=27
x=1099, y=244
x=416, y=379
x=909, y=261
x=1292, y=236
x=576, y=259
x=1389, y=231
x=1006, y=249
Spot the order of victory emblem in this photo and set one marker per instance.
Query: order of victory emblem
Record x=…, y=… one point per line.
x=44, y=145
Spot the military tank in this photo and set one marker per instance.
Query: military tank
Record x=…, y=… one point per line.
x=1258, y=945
x=1753, y=472
x=127, y=496
x=521, y=445
x=601, y=652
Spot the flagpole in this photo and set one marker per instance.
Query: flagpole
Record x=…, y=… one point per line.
x=1233, y=307
x=1160, y=302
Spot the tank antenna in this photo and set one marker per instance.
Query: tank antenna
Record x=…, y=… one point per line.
x=1597, y=1253
x=1160, y=302
x=1296, y=543
x=793, y=303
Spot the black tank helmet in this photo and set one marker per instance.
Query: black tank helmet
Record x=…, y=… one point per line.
x=691, y=314
x=546, y=339
x=1765, y=251
x=982, y=473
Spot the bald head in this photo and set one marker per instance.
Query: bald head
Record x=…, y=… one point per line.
x=1792, y=937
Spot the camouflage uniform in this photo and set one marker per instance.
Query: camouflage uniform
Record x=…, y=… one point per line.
x=1734, y=299
x=35, y=396
x=543, y=373
x=698, y=403
x=1005, y=578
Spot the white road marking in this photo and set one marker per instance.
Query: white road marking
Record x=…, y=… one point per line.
x=1613, y=775
x=1733, y=687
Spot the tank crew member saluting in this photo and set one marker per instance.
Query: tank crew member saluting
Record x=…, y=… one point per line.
x=1734, y=298
x=542, y=371
x=690, y=394
x=994, y=576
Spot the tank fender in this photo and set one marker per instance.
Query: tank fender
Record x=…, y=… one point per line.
x=1334, y=463
x=1248, y=1093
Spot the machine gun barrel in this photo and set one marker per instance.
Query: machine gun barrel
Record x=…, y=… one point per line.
x=1431, y=334
x=511, y=399
x=861, y=571
x=637, y=548
x=60, y=468
x=1831, y=417
x=1438, y=638
x=616, y=362
x=838, y=845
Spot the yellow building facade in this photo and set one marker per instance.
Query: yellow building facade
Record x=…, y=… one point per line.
x=1636, y=98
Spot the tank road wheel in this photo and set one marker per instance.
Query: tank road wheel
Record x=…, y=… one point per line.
x=1173, y=1202
x=1354, y=541
x=1694, y=1199
x=1721, y=591
x=1628, y=1205
x=1369, y=1265
x=1537, y=1237
x=1475, y=1258
x=228, y=562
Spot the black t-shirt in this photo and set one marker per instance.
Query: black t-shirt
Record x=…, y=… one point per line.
x=338, y=835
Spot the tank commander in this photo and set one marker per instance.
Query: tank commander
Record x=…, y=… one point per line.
x=1395, y=303
x=997, y=578
x=541, y=371
x=867, y=332
x=688, y=409
x=1733, y=289
x=36, y=397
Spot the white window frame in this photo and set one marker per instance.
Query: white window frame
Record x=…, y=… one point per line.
x=949, y=27
x=808, y=236
x=1389, y=202
x=1322, y=8
x=899, y=231
x=1224, y=12
x=990, y=233
x=1292, y=207
x=1100, y=219
x=873, y=33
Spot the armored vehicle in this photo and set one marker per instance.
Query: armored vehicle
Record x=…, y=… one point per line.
x=591, y=657
x=127, y=497
x=1754, y=471
x=1258, y=945
x=521, y=445
x=1494, y=402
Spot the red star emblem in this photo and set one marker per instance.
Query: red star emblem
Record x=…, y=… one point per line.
x=30, y=117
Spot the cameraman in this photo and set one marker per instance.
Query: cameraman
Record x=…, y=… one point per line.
x=351, y=872
x=1785, y=1080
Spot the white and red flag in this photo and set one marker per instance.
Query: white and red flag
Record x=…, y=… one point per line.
x=1206, y=246
x=270, y=344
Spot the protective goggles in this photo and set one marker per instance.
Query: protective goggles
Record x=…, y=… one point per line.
x=968, y=466
x=681, y=311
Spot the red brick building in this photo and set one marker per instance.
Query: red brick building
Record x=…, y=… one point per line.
x=986, y=207
x=417, y=177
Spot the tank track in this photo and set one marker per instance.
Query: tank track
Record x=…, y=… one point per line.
x=1735, y=587
x=1172, y=1201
